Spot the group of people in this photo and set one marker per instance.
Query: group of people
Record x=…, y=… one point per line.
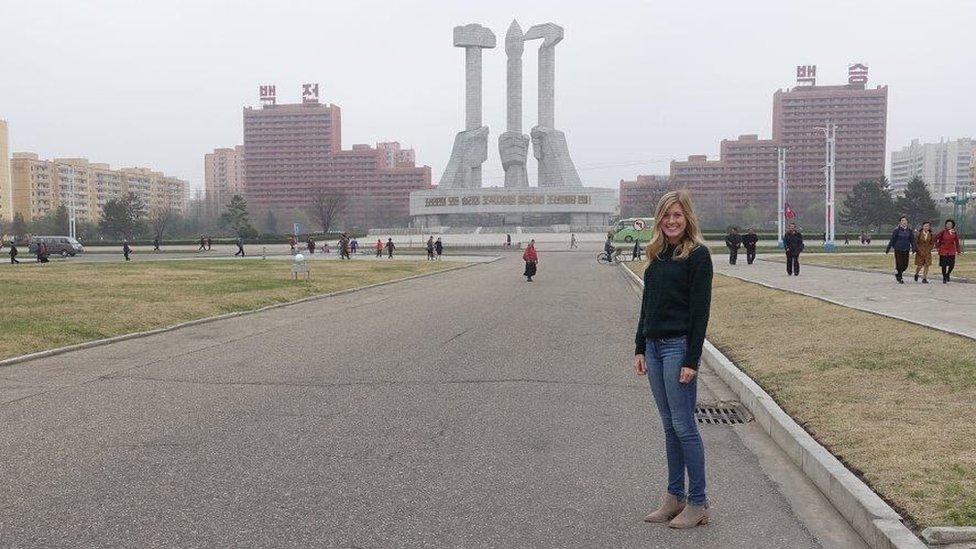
x=434, y=248
x=346, y=246
x=733, y=241
x=905, y=240
x=205, y=243
x=389, y=247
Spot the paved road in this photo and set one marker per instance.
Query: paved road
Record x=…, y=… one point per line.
x=946, y=306
x=484, y=411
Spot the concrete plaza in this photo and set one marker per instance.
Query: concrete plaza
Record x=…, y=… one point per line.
x=467, y=409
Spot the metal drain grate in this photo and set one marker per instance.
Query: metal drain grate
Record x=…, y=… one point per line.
x=720, y=414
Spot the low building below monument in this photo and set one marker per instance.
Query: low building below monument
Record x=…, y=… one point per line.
x=500, y=206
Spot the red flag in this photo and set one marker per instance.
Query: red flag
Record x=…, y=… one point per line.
x=788, y=212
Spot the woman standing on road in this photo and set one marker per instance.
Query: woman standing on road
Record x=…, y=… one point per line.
x=947, y=241
x=531, y=259
x=903, y=241
x=670, y=335
x=924, y=243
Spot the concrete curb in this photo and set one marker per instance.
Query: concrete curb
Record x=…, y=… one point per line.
x=948, y=535
x=99, y=342
x=849, y=306
x=859, y=269
x=873, y=519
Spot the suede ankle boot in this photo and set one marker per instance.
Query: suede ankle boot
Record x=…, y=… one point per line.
x=670, y=507
x=690, y=516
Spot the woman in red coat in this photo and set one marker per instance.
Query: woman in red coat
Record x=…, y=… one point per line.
x=947, y=242
x=531, y=260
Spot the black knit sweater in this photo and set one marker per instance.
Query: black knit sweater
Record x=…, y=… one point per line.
x=677, y=297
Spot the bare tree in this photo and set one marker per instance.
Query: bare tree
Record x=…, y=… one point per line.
x=324, y=207
x=160, y=218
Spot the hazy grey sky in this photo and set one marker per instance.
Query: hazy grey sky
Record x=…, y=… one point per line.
x=639, y=83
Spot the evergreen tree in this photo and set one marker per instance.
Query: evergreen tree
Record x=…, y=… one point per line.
x=236, y=217
x=869, y=205
x=917, y=203
x=122, y=216
x=19, y=226
x=271, y=223
x=61, y=220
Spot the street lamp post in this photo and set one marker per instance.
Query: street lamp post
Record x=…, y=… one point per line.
x=830, y=135
x=781, y=196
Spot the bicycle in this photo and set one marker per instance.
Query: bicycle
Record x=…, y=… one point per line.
x=603, y=258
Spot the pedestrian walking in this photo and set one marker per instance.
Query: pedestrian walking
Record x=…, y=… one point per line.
x=947, y=242
x=847, y=239
x=344, y=247
x=209, y=243
x=508, y=240
x=310, y=244
x=13, y=252
x=203, y=244
x=438, y=248
x=389, y=248
x=636, y=253
x=749, y=241
x=353, y=246
x=732, y=242
x=531, y=259
x=793, y=244
x=379, y=247
x=292, y=242
x=430, y=248
x=670, y=335
x=924, y=242
x=240, y=246
x=156, y=244
x=572, y=241
x=903, y=242
x=126, y=249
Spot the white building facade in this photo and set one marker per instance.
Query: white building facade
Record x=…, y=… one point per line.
x=942, y=165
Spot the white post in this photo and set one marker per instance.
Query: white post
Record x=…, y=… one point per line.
x=781, y=196
x=830, y=135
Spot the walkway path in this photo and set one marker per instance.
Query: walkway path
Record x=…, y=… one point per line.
x=480, y=410
x=949, y=307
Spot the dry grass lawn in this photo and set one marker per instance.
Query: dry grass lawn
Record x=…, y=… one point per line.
x=57, y=304
x=895, y=402
x=965, y=263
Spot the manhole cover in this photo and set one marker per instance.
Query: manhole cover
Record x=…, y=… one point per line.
x=725, y=413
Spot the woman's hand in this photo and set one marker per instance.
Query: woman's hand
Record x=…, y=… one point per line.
x=687, y=374
x=640, y=365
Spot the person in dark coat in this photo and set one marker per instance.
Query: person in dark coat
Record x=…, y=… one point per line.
x=240, y=247
x=636, y=255
x=732, y=242
x=203, y=244
x=793, y=244
x=310, y=244
x=390, y=246
x=430, y=248
x=156, y=244
x=209, y=243
x=531, y=259
x=947, y=242
x=749, y=241
x=438, y=248
x=126, y=249
x=42, y=253
x=13, y=252
x=903, y=242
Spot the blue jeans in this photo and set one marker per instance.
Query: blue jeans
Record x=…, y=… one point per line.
x=676, y=404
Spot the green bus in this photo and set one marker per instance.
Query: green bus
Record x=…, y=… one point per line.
x=633, y=228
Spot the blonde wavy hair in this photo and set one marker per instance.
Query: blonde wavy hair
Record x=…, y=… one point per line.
x=692, y=237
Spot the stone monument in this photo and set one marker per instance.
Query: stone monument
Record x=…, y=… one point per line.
x=556, y=168
x=471, y=145
x=513, y=145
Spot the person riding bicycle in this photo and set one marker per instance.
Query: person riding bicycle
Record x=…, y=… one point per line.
x=608, y=248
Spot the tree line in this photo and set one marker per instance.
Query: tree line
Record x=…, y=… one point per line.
x=127, y=217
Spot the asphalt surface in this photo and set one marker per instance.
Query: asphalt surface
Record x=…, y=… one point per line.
x=479, y=410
